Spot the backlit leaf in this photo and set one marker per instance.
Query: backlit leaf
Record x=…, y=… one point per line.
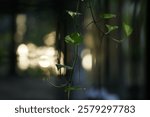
x=72, y=88
x=74, y=39
x=72, y=14
x=128, y=30
x=108, y=16
x=111, y=28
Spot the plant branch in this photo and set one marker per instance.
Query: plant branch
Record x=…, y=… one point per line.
x=94, y=21
x=91, y=23
x=116, y=40
x=73, y=68
x=74, y=62
x=103, y=33
x=58, y=86
x=75, y=55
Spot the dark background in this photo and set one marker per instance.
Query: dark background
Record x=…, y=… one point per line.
x=119, y=71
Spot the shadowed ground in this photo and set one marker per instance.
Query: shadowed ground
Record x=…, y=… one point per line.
x=28, y=89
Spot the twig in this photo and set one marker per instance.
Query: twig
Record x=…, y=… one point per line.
x=103, y=33
x=58, y=86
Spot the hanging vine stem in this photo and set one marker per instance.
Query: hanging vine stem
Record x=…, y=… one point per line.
x=70, y=84
x=74, y=62
x=73, y=68
x=95, y=23
x=103, y=33
x=75, y=57
x=75, y=39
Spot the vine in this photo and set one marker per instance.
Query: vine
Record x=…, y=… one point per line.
x=75, y=39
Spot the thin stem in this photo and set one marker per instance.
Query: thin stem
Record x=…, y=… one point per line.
x=73, y=68
x=74, y=62
x=68, y=94
x=79, y=67
x=77, y=6
x=94, y=21
x=103, y=33
x=75, y=20
x=75, y=54
x=58, y=86
x=86, y=26
x=116, y=40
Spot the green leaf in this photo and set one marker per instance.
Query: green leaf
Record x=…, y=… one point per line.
x=73, y=14
x=108, y=16
x=111, y=28
x=128, y=30
x=72, y=88
x=59, y=66
x=74, y=39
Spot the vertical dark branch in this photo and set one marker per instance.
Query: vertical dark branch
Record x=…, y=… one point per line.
x=134, y=45
x=60, y=29
x=106, y=52
x=120, y=70
x=13, y=43
x=142, y=62
x=147, y=51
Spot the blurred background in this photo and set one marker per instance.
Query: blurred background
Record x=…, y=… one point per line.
x=32, y=43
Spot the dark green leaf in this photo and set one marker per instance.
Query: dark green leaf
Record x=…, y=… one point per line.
x=108, y=16
x=72, y=88
x=72, y=14
x=128, y=30
x=59, y=66
x=110, y=28
x=74, y=39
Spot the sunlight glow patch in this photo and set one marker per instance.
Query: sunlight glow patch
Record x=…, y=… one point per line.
x=88, y=40
x=87, y=62
x=20, y=27
x=22, y=50
x=44, y=61
x=50, y=51
x=50, y=39
x=31, y=56
x=23, y=62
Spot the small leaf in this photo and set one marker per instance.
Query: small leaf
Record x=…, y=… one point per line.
x=72, y=88
x=69, y=40
x=73, y=14
x=110, y=28
x=59, y=66
x=74, y=39
x=128, y=30
x=108, y=16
